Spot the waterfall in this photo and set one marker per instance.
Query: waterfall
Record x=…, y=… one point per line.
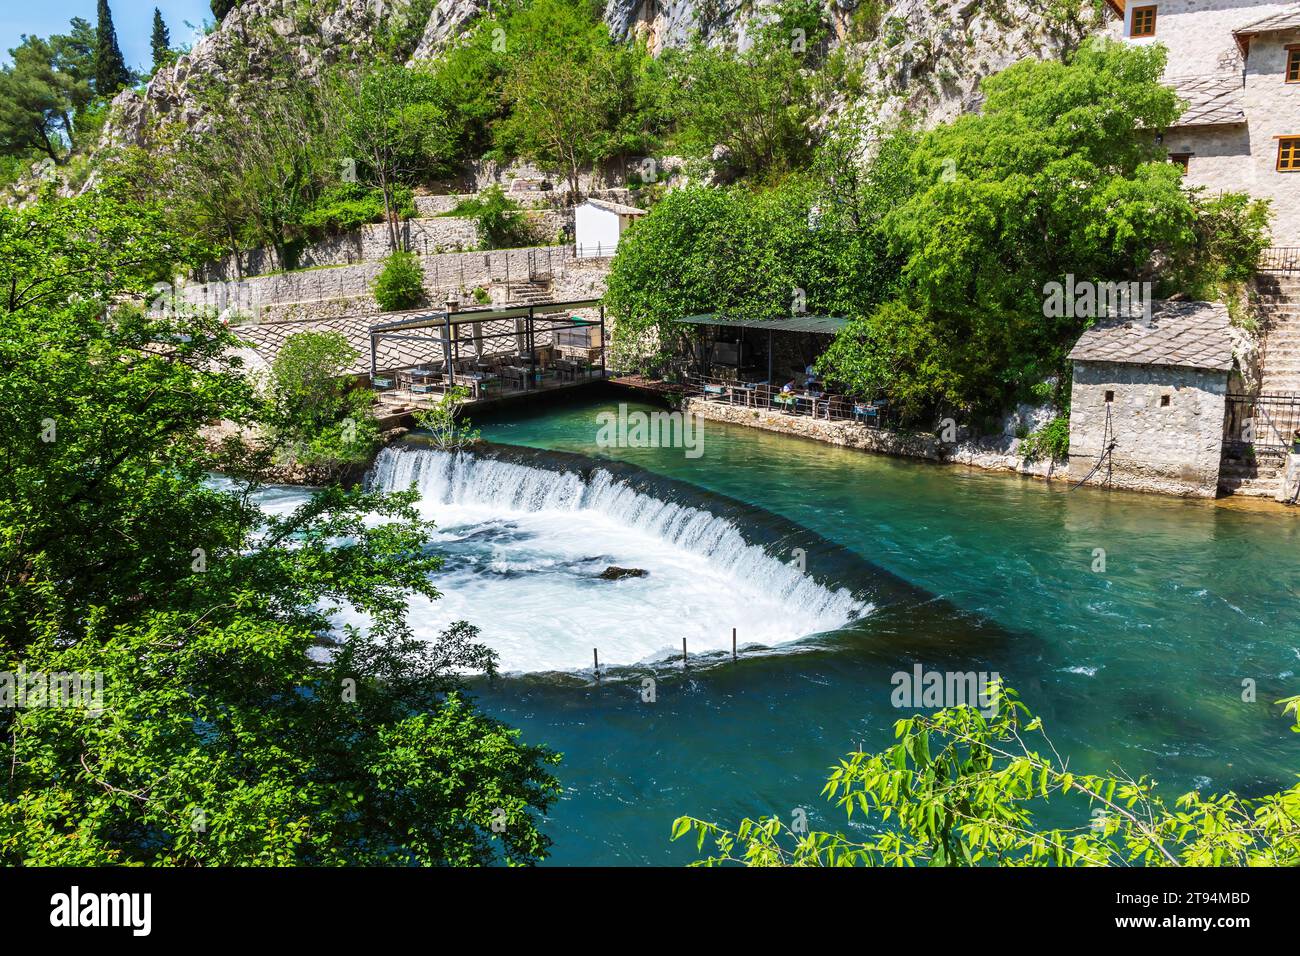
x=463, y=479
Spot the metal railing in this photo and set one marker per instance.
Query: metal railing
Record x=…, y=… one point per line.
x=1280, y=259
x=804, y=402
x=1264, y=422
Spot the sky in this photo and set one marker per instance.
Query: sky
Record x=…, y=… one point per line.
x=132, y=18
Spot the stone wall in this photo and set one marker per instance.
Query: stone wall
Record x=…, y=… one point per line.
x=1172, y=449
x=347, y=290
x=426, y=237
x=994, y=453
x=1198, y=33
x=847, y=434
x=1273, y=110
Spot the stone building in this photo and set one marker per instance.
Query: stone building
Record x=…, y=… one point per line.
x=1148, y=401
x=1237, y=64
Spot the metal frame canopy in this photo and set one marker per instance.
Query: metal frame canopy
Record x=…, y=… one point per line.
x=447, y=325
x=812, y=324
x=816, y=324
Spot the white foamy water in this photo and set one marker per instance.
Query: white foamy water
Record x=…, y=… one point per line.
x=524, y=547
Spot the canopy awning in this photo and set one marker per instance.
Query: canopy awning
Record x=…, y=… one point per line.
x=817, y=324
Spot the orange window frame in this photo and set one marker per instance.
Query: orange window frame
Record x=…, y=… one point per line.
x=1288, y=154
x=1143, y=23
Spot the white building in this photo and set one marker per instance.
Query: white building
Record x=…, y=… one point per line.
x=598, y=225
x=1237, y=64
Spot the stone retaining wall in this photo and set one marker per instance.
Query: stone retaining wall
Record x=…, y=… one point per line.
x=425, y=237
x=992, y=454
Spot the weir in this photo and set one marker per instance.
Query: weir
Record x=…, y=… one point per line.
x=825, y=585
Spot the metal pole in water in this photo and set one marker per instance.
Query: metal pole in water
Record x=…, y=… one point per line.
x=595, y=659
x=683, y=652
x=733, y=644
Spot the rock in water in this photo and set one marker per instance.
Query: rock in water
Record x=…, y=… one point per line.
x=615, y=573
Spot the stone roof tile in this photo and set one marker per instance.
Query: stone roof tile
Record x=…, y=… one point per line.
x=1183, y=334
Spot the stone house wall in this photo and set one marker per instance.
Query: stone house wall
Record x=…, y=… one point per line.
x=1273, y=110
x=1172, y=449
x=1198, y=33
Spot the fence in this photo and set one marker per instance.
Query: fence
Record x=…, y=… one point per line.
x=761, y=395
x=1280, y=259
x=1263, y=422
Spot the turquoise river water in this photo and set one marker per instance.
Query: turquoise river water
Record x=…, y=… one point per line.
x=1139, y=666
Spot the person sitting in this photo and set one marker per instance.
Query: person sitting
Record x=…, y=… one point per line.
x=788, y=387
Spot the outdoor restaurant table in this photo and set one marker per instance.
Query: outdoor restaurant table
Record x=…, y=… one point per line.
x=515, y=372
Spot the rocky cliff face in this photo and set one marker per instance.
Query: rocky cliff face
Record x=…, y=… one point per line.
x=922, y=56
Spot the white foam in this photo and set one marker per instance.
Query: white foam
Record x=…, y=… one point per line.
x=532, y=542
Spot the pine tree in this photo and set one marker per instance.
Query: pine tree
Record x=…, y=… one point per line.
x=161, y=41
x=111, y=73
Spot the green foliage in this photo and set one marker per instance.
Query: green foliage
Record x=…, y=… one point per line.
x=501, y=223
x=400, y=284
x=573, y=95
x=1057, y=175
x=45, y=93
x=445, y=430
x=221, y=7
x=959, y=788
x=225, y=736
x=751, y=254
x=758, y=104
x=1051, y=441
x=160, y=41
x=318, y=417
x=111, y=73
x=394, y=129
x=349, y=206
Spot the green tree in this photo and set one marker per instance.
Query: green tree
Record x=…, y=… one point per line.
x=221, y=7
x=400, y=283
x=1059, y=174
x=317, y=417
x=394, y=128
x=443, y=424
x=961, y=788
x=752, y=254
x=241, y=722
x=757, y=105
x=42, y=94
x=501, y=223
x=111, y=73
x=160, y=41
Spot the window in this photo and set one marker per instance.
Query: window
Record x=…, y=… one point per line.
x=1164, y=401
x=1288, y=154
x=1293, y=64
x=1143, y=23
x=1181, y=159
x=1110, y=396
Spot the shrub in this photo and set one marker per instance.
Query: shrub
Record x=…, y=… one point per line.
x=1052, y=441
x=400, y=284
x=353, y=205
x=316, y=417
x=501, y=223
